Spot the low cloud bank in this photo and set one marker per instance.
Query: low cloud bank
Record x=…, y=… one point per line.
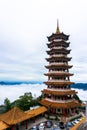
x=12, y=92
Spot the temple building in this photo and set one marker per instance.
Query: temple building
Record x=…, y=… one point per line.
x=58, y=96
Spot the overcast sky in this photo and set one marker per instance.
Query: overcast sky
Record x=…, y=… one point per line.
x=24, y=27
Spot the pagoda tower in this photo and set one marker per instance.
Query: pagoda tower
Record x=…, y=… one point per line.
x=58, y=96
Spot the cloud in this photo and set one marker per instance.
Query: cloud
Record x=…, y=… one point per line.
x=12, y=92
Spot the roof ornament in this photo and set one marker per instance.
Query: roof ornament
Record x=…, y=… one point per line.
x=57, y=29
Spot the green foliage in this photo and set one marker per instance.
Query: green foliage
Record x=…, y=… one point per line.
x=48, y=117
x=77, y=98
x=40, y=97
x=7, y=105
x=24, y=103
x=56, y=117
x=76, y=117
x=82, y=108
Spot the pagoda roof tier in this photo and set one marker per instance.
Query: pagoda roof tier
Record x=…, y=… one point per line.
x=58, y=82
x=58, y=73
x=58, y=49
x=57, y=57
x=52, y=104
x=58, y=92
x=58, y=42
x=60, y=65
x=58, y=36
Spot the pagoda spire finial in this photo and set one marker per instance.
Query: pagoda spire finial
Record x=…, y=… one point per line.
x=57, y=29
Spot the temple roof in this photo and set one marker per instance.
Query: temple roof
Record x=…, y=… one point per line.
x=58, y=49
x=3, y=125
x=58, y=82
x=57, y=43
x=55, y=92
x=57, y=36
x=58, y=57
x=58, y=73
x=37, y=111
x=16, y=115
x=71, y=104
x=56, y=65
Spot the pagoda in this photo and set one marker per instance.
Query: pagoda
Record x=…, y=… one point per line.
x=58, y=96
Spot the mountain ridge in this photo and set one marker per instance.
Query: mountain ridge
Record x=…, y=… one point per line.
x=76, y=85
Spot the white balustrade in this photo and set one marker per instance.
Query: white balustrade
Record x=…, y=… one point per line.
x=59, y=100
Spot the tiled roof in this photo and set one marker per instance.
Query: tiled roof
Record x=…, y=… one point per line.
x=52, y=104
x=69, y=92
x=3, y=125
x=58, y=82
x=15, y=115
x=37, y=111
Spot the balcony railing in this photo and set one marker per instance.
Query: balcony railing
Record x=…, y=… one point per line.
x=64, y=72
x=58, y=55
x=60, y=100
x=59, y=48
x=58, y=89
x=58, y=80
x=58, y=63
x=57, y=40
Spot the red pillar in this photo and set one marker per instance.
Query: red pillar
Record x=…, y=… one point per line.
x=26, y=124
x=34, y=119
x=12, y=128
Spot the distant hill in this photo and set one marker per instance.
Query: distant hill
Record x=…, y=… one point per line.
x=80, y=86
x=18, y=82
x=77, y=85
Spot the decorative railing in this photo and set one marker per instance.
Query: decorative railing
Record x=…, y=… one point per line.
x=64, y=72
x=56, y=80
x=58, y=63
x=59, y=48
x=59, y=100
x=59, y=89
x=58, y=55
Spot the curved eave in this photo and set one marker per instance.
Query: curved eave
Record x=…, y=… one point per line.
x=50, y=104
x=53, y=51
x=71, y=92
x=58, y=66
x=58, y=57
x=58, y=83
x=56, y=43
x=58, y=74
x=57, y=35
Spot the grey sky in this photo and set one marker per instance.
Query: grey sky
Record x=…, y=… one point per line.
x=24, y=26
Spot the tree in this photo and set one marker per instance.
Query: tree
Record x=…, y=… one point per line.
x=7, y=105
x=77, y=98
x=24, y=102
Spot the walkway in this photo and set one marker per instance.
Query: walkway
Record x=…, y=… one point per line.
x=78, y=124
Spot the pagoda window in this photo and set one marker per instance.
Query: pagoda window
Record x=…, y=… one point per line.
x=69, y=86
x=58, y=110
x=58, y=97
